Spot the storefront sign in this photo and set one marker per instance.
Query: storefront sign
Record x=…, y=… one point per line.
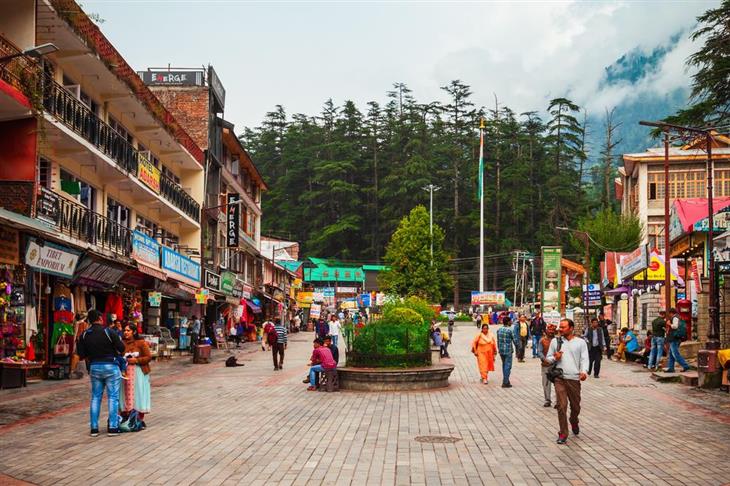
x=696, y=273
x=233, y=218
x=721, y=222
x=154, y=298
x=228, y=280
x=201, y=296
x=180, y=265
x=212, y=280
x=48, y=206
x=172, y=78
x=9, y=246
x=149, y=174
x=326, y=291
x=216, y=87
x=305, y=299
x=551, y=277
x=592, y=295
x=634, y=262
x=488, y=298
x=145, y=249
x=346, y=290
x=237, y=291
x=364, y=300
x=315, y=311
x=52, y=259
x=675, y=224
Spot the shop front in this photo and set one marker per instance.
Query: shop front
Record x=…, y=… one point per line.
x=178, y=292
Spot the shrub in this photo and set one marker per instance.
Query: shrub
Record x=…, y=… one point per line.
x=404, y=315
x=413, y=303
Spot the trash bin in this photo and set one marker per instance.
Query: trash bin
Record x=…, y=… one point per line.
x=201, y=354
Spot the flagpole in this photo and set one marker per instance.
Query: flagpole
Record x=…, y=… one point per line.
x=481, y=205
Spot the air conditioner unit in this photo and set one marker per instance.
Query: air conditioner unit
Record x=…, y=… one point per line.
x=74, y=89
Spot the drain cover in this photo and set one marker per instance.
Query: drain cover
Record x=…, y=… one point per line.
x=437, y=439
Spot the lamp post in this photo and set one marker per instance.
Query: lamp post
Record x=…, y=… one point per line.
x=35, y=52
x=431, y=189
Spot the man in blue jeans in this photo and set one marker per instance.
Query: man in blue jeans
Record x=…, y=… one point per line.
x=537, y=329
x=676, y=333
x=658, y=331
x=100, y=348
x=506, y=343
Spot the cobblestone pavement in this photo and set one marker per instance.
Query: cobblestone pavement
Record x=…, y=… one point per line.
x=254, y=426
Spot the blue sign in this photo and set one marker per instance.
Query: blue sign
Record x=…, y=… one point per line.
x=364, y=300
x=145, y=249
x=174, y=262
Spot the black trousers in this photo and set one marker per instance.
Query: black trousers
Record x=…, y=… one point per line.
x=278, y=349
x=594, y=360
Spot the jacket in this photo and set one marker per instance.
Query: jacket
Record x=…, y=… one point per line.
x=99, y=345
x=145, y=355
x=537, y=326
x=587, y=335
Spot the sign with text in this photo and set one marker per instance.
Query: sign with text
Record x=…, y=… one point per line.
x=228, y=280
x=497, y=297
x=149, y=174
x=233, y=218
x=592, y=295
x=48, y=206
x=172, y=78
x=145, y=249
x=154, y=298
x=315, y=311
x=633, y=263
x=212, y=280
x=51, y=259
x=180, y=265
x=551, y=277
x=201, y=296
x=720, y=222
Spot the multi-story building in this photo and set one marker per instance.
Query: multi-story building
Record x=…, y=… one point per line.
x=231, y=255
x=90, y=159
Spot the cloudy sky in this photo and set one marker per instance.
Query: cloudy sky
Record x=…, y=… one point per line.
x=298, y=54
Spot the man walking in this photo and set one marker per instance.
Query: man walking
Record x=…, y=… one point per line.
x=537, y=329
x=676, y=333
x=195, y=331
x=479, y=320
x=334, y=330
x=278, y=347
x=596, y=342
x=101, y=347
x=572, y=358
x=522, y=335
x=505, y=342
x=542, y=351
x=658, y=331
x=603, y=324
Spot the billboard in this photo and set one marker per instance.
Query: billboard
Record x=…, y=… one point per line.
x=551, y=277
x=497, y=297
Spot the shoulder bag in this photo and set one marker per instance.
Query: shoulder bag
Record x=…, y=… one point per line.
x=553, y=371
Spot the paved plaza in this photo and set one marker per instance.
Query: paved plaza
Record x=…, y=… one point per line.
x=253, y=426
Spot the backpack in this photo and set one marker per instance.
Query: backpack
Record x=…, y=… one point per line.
x=132, y=424
x=680, y=334
x=272, y=337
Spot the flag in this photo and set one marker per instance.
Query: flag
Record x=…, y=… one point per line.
x=481, y=162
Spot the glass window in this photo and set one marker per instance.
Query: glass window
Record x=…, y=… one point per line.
x=44, y=172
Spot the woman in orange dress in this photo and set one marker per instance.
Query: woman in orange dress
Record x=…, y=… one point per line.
x=484, y=347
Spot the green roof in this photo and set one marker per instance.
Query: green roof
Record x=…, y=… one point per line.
x=291, y=266
x=375, y=268
x=333, y=274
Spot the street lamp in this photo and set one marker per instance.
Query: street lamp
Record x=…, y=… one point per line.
x=34, y=52
x=431, y=189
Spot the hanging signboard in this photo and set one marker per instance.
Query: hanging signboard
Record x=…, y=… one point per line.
x=551, y=277
x=233, y=218
x=488, y=298
x=305, y=299
x=228, y=280
x=180, y=265
x=51, y=259
x=9, y=246
x=48, y=206
x=315, y=311
x=154, y=299
x=592, y=295
x=212, y=280
x=633, y=263
x=149, y=174
x=172, y=78
x=201, y=296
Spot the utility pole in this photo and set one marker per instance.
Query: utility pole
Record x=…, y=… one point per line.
x=481, y=205
x=431, y=189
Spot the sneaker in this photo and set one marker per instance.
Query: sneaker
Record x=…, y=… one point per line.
x=576, y=430
x=547, y=404
x=94, y=433
x=113, y=432
x=311, y=388
x=506, y=385
x=562, y=439
x=306, y=380
x=143, y=425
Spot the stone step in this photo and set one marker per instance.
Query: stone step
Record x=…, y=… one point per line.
x=665, y=377
x=689, y=378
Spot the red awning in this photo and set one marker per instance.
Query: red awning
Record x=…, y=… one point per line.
x=693, y=210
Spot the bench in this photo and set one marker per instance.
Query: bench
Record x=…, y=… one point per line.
x=329, y=381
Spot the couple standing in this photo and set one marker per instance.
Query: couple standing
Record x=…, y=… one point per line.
x=486, y=345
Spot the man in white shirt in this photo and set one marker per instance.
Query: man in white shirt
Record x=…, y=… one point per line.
x=572, y=358
x=335, y=329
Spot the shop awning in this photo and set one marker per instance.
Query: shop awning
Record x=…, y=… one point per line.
x=98, y=273
x=151, y=271
x=176, y=290
x=690, y=215
x=256, y=309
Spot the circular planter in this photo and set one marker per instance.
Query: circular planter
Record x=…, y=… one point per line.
x=394, y=379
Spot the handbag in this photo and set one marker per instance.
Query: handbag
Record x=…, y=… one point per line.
x=62, y=347
x=553, y=371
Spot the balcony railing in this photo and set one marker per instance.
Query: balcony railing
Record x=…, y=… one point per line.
x=79, y=222
x=20, y=72
x=78, y=117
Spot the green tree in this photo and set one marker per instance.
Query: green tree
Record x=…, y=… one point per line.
x=710, y=96
x=609, y=231
x=409, y=256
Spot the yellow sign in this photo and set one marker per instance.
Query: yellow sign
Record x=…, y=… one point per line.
x=149, y=174
x=201, y=296
x=297, y=283
x=305, y=299
x=655, y=272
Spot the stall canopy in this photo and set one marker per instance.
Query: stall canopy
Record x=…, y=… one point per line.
x=256, y=309
x=690, y=215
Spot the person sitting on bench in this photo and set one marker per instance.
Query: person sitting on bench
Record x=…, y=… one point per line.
x=320, y=361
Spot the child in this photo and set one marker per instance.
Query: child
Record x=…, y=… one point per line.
x=647, y=349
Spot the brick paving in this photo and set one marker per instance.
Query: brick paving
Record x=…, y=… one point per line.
x=254, y=426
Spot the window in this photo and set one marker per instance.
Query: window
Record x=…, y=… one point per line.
x=117, y=212
x=683, y=184
x=79, y=190
x=250, y=269
x=44, y=173
x=655, y=235
x=722, y=183
x=146, y=226
x=170, y=175
x=251, y=223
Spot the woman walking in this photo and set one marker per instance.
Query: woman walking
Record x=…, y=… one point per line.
x=136, y=390
x=484, y=347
